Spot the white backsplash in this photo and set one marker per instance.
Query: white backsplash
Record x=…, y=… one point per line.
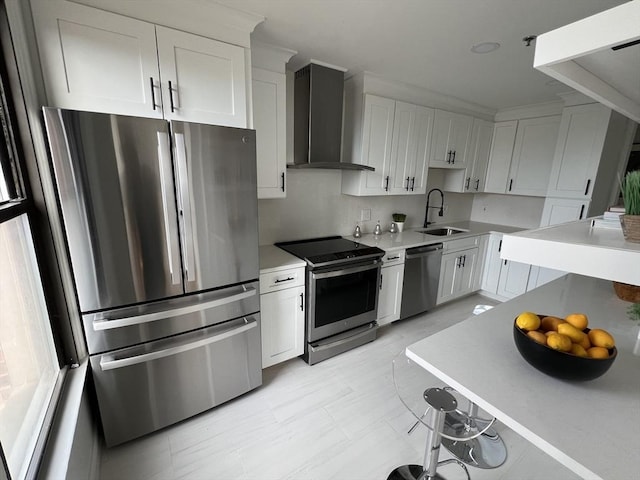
x=513, y=210
x=315, y=207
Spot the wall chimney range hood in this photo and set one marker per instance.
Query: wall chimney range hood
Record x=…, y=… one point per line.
x=317, y=118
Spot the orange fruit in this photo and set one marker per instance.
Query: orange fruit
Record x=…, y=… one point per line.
x=560, y=342
x=585, y=342
x=550, y=323
x=578, y=320
x=538, y=336
x=579, y=351
x=572, y=332
x=528, y=321
x=601, y=338
x=598, y=352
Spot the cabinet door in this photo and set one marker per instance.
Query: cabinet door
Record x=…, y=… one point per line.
x=377, y=135
x=269, y=111
x=538, y=276
x=282, y=315
x=410, y=141
x=449, y=272
x=504, y=137
x=533, y=156
x=97, y=61
x=203, y=80
x=581, y=139
x=450, y=141
x=514, y=277
x=467, y=279
x=390, y=294
x=480, y=148
x=492, y=264
x=562, y=210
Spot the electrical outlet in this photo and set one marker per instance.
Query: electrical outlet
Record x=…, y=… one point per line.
x=365, y=214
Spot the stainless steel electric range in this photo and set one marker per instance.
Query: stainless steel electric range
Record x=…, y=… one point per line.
x=343, y=281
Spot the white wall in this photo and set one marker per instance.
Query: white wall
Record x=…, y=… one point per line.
x=513, y=210
x=315, y=207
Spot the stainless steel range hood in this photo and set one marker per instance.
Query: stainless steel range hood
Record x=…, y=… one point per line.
x=317, y=117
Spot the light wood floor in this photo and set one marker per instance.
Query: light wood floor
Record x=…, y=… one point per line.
x=339, y=419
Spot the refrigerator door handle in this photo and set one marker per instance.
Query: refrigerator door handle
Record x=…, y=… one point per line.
x=164, y=169
x=107, y=362
x=107, y=324
x=185, y=207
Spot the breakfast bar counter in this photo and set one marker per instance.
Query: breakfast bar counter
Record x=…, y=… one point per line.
x=592, y=427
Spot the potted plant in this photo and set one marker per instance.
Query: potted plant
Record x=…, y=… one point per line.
x=399, y=219
x=630, y=221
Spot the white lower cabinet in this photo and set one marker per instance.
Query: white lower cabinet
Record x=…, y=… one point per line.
x=390, y=298
x=282, y=314
x=514, y=277
x=458, y=275
x=503, y=278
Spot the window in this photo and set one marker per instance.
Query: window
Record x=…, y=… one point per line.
x=29, y=364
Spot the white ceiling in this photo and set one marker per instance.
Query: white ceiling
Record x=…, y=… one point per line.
x=426, y=42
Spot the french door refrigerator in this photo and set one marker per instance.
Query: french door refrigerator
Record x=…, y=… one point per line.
x=161, y=224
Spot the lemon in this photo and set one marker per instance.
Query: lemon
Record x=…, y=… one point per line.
x=538, y=336
x=528, y=321
x=578, y=320
x=601, y=338
x=557, y=341
x=598, y=352
x=585, y=342
x=578, y=350
x=550, y=323
x=572, y=332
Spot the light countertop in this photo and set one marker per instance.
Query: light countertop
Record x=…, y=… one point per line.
x=590, y=427
x=274, y=259
x=411, y=238
x=578, y=248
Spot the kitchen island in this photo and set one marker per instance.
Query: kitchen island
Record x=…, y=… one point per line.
x=590, y=427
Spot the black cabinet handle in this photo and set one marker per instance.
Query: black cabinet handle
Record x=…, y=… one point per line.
x=153, y=93
x=171, y=97
x=288, y=279
x=586, y=190
x=386, y=186
x=477, y=184
x=413, y=182
x=380, y=281
x=449, y=156
x=466, y=185
x=282, y=181
x=510, y=184
x=453, y=160
x=458, y=262
x=505, y=262
x=581, y=212
x=408, y=181
x=500, y=246
x=393, y=258
x=464, y=260
x=302, y=302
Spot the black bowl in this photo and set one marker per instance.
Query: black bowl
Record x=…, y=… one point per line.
x=560, y=364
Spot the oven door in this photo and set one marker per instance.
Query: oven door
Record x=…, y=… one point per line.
x=341, y=298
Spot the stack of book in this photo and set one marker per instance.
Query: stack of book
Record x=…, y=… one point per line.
x=609, y=219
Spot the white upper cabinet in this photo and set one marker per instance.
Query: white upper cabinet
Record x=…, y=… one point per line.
x=562, y=210
x=580, y=142
x=481, y=136
x=203, y=80
x=450, y=141
x=533, y=151
x=393, y=138
x=99, y=61
x=521, y=156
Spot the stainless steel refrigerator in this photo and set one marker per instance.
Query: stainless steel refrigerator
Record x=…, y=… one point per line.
x=162, y=231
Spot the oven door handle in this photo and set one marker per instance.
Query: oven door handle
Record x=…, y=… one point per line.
x=346, y=271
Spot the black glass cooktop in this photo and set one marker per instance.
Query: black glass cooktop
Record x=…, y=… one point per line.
x=329, y=250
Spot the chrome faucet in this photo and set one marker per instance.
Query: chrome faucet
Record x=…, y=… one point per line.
x=440, y=211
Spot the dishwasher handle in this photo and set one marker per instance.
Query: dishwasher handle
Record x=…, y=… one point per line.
x=418, y=252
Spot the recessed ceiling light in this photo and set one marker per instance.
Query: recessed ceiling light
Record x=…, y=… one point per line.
x=485, y=47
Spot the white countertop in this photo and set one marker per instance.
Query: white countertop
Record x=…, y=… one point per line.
x=274, y=259
x=578, y=248
x=411, y=238
x=590, y=427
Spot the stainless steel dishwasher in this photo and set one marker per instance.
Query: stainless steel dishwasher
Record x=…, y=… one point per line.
x=421, y=276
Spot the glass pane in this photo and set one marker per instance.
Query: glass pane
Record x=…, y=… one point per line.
x=338, y=298
x=28, y=362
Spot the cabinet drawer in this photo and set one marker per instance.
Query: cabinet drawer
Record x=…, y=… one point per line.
x=274, y=281
x=460, y=244
x=393, y=258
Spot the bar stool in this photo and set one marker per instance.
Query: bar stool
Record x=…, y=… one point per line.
x=439, y=409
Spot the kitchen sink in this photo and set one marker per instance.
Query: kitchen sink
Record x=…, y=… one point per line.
x=442, y=231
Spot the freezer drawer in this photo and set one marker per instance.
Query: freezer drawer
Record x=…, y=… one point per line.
x=123, y=327
x=144, y=388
